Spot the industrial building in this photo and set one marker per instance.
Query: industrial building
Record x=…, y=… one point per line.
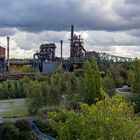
x=2, y=60
x=47, y=62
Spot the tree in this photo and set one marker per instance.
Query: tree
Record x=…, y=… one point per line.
x=108, y=119
x=34, y=97
x=136, y=78
x=92, y=82
x=135, y=97
x=109, y=83
x=8, y=132
x=130, y=77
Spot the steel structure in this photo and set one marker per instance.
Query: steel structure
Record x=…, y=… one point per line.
x=46, y=53
x=46, y=61
x=2, y=60
x=76, y=45
x=112, y=59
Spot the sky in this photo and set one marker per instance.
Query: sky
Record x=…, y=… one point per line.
x=111, y=26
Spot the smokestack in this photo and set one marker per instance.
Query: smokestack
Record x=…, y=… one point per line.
x=71, y=43
x=61, y=43
x=8, y=39
x=72, y=34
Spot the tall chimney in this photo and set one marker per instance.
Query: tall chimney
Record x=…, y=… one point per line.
x=71, y=44
x=8, y=38
x=61, y=43
x=72, y=34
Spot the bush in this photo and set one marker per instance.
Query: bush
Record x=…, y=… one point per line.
x=18, y=131
x=108, y=119
x=23, y=125
x=46, y=128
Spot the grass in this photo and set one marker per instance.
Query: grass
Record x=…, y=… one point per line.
x=14, y=112
x=6, y=102
x=20, y=111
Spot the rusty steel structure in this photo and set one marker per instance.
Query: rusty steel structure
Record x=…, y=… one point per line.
x=76, y=45
x=46, y=53
x=2, y=60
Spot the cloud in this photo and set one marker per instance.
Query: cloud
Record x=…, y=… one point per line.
x=106, y=25
x=135, y=2
x=36, y=16
x=7, y=31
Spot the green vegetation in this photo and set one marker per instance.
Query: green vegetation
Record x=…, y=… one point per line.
x=7, y=102
x=136, y=79
x=20, y=130
x=45, y=127
x=14, y=109
x=109, y=82
x=135, y=74
x=108, y=119
x=66, y=89
x=20, y=59
x=90, y=108
x=23, y=69
x=13, y=88
x=20, y=111
x=92, y=82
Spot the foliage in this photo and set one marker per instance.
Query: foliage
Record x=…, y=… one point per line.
x=22, y=125
x=108, y=119
x=130, y=77
x=135, y=82
x=34, y=96
x=109, y=83
x=62, y=88
x=9, y=131
x=45, y=127
x=92, y=82
x=23, y=69
x=136, y=79
x=118, y=74
x=14, y=88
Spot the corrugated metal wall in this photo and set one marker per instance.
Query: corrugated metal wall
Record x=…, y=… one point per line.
x=50, y=67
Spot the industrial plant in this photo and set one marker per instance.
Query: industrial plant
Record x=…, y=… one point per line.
x=47, y=62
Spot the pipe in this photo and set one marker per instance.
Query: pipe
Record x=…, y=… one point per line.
x=8, y=39
x=61, y=43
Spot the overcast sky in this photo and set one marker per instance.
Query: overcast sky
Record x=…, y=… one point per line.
x=111, y=26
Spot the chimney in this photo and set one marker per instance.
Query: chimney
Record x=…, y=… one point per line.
x=8, y=38
x=72, y=34
x=61, y=43
x=71, y=43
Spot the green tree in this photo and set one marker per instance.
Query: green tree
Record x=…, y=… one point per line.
x=92, y=82
x=135, y=97
x=109, y=83
x=136, y=78
x=34, y=97
x=9, y=132
x=130, y=77
x=108, y=119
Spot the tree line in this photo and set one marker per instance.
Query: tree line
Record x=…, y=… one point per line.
x=91, y=108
